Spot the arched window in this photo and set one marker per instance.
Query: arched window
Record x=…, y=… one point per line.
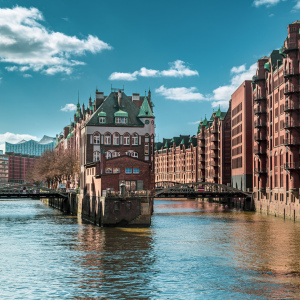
x=116, y=139
x=107, y=138
x=96, y=156
x=134, y=154
x=96, y=138
x=126, y=139
x=116, y=154
x=108, y=155
x=135, y=139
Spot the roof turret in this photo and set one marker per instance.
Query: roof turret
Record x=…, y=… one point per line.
x=145, y=110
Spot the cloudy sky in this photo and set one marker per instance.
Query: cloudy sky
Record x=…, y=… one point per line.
x=191, y=54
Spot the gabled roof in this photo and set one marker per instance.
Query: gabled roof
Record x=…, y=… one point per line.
x=110, y=107
x=145, y=110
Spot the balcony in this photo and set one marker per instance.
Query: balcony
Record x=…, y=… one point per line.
x=257, y=78
x=201, y=137
x=290, y=72
x=259, y=137
x=214, y=129
x=291, y=142
x=214, y=155
x=260, y=170
x=202, y=166
x=259, y=151
x=291, y=124
x=292, y=166
x=213, y=163
x=288, y=89
x=259, y=110
x=202, y=159
x=259, y=124
x=214, y=139
x=290, y=46
x=202, y=152
x=214, y=147
x=259, y=98
x=289, y=106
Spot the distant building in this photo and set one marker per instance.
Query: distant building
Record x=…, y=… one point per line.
x=18, y=167
x=242, y=137
x=214, y=148
x=31, y=147
x=3, y=168
x=176, y=159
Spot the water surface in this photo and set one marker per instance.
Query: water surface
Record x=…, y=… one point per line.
x=192, y=251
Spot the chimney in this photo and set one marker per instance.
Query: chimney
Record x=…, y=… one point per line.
x=119, y=98
x=99, y=98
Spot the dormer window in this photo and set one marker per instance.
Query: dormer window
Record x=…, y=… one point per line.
x=120, y=120
x=121, y=117
x=102, y=117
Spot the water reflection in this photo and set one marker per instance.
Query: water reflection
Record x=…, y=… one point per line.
x=193, y=250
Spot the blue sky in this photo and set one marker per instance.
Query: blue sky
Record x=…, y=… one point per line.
x=192, y=55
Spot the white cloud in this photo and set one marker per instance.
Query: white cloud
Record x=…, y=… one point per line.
x=180, y=93
x=69, y=107
x=219, y=96
x=194, y=123
x=223, y=93
x=27, y=75
x=297, y=6
x=177, y=69
x=26, y=42
x=239, y=69
x=268, y=3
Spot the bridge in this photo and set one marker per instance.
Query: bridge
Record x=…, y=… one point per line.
x=170, y=189
x=29, y=191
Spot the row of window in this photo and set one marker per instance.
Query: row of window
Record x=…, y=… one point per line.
x=109, y=154
x=118, y=120
x=116, y=139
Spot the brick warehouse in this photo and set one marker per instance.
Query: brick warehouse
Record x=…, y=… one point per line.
x=276, y=129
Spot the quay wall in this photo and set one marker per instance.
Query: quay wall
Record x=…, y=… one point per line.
x=107, y=211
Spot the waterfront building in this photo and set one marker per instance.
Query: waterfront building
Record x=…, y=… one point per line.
x=18, y=166
x=114, y=137
x=214, y=148
x=176, y=159
x=31, y=147
x=276, y=129
x=3, y=168
x=242, y=137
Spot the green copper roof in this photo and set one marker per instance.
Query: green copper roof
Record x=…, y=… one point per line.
x=267, y=66
x=218, y=114
x=145, y=110
x=204, y=122
x=120, y=113
x=281, y=51
x=68, y=137
x=103, y=114
x=152, y=104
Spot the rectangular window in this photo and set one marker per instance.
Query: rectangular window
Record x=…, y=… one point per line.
x=128, y=170
x=116, y=170
x=136, y=170
x=126, y=140
x=108, y=170
x=102, y=120
x=120, y=120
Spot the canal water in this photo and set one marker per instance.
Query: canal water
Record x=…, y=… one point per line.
x=193, y=250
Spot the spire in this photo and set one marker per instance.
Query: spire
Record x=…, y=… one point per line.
x=145, y=110
x=149, y=94
x=78, y=104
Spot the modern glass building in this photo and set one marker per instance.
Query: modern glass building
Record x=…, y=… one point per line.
x=31, y=147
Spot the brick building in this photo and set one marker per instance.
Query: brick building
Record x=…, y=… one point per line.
x=242, y=137
x=113, y=135
x=3, y=168
x=205, y=157
x=176, y=159
x=18, y=166
x=214, y=148
x=276, y=129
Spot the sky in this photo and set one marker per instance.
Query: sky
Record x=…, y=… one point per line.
x=192, y=55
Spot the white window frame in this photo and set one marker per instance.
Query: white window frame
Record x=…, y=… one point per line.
x=136, y=171
x=121, y=120
x=134, y=154
x=96, y=156
x=102, y=120
x=128, y=170
x=135, y=139
x=116, y=139
x=96, y=138
x=107, y=139
x=126, y=140
x=108, y=154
